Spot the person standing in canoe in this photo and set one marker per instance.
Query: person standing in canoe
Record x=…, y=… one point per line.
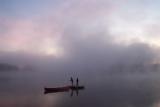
x=77, y=82
x=71, y=81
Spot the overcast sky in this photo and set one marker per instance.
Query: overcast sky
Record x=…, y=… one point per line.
x=81, y=28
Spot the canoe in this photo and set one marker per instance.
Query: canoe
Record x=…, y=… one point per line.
x=76, y=87
x=62, y=89
x=65, y=88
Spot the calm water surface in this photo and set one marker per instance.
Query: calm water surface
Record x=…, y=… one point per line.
x=26, y=89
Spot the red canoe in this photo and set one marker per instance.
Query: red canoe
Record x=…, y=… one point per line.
x=63, y=89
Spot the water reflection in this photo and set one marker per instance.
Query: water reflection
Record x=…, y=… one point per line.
x=70, y=89
x=24, y=90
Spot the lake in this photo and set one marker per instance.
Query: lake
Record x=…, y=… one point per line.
x=26, y=89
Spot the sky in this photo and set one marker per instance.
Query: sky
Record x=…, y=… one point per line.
x=81, y=29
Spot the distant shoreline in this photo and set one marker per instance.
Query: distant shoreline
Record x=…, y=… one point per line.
x=8, y=67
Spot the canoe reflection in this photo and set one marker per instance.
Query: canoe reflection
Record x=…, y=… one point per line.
x=64, y=89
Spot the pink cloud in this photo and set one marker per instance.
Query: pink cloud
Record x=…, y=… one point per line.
x=45, y=31
x=27, y=35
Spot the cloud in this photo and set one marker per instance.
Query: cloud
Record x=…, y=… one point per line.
x=93, y=34
x=28, y=36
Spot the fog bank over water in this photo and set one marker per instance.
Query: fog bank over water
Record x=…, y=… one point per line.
x=91, y=54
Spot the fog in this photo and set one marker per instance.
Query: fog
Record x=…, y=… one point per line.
x=91, y=51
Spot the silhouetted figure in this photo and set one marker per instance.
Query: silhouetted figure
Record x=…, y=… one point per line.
x=77, y=82
x=71, y=81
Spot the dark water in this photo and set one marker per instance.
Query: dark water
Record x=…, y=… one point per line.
x=25, y=89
